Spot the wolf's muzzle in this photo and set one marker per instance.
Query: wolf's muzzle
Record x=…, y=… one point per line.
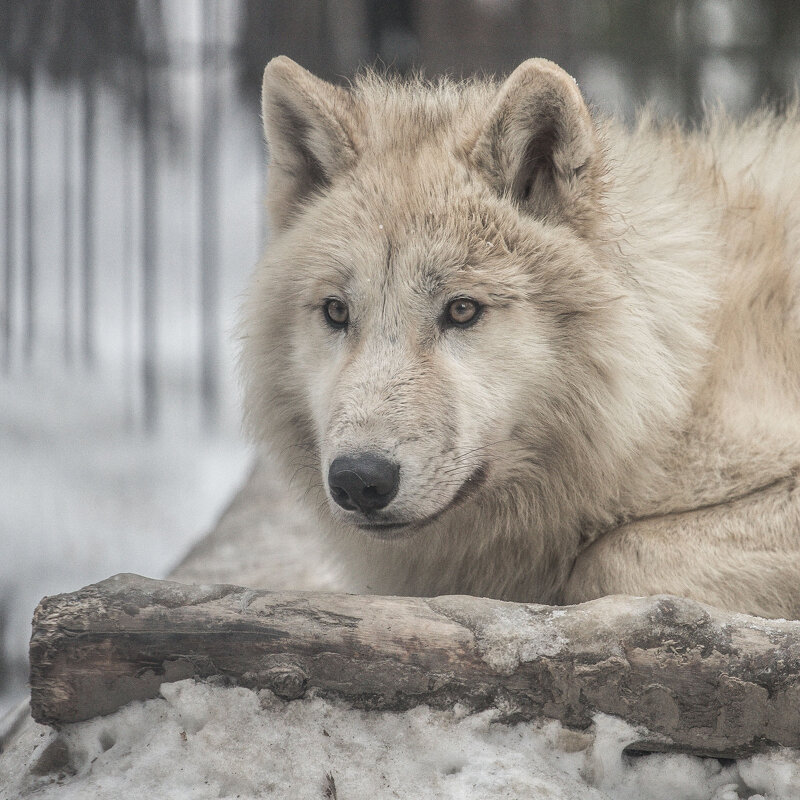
x=366, y=482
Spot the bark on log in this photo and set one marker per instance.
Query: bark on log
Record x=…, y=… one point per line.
x=700, y=680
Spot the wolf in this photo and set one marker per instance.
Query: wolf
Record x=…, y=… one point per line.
x=506, y=346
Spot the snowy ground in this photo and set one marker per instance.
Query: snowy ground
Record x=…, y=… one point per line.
x=82, y=498
x=212, y=742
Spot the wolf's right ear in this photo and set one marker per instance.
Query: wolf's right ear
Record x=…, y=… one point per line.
x=537, y=144
x=309, y=128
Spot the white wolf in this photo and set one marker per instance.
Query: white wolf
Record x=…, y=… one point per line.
x=507, y=348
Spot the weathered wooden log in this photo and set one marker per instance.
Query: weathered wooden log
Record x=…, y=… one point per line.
x=699, y=680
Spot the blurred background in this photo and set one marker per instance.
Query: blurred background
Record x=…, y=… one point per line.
x=132, y=171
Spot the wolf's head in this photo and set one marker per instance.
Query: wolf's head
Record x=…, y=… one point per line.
x=440, y=314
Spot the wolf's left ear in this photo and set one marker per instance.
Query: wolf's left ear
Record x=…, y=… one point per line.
x=309, y=128
x=538, y=144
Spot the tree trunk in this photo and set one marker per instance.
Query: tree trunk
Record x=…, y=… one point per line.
x=129, y=361
x=29, y=194
x=698, y=680
x=89, y=156
x=149, y=252
x=209, y=218
x=689, y=53
x=68, y=224
x=10, y=230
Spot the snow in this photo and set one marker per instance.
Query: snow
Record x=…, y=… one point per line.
x=202, y=741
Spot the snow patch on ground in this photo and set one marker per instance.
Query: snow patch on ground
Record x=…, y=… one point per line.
x=200, y=741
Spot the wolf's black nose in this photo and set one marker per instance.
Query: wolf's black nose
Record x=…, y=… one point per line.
x=366, y=481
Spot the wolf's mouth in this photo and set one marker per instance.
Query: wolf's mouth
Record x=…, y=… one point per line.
x=397, y=530
x=387, y=530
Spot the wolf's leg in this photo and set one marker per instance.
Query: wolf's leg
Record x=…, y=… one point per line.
x=742, y=555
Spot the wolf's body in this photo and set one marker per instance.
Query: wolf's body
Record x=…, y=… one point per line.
x=622, y=415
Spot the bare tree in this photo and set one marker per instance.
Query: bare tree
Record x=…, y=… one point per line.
x=68, y=224
x=209, y=216
x=29, y=192
x=21, y=42
x=88, y=43
x=154, y=47
x=8, y=271
x=88, y=147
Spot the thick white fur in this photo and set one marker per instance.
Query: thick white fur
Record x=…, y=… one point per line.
x=627, y=405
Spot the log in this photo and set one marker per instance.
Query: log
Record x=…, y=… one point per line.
x=696, y=679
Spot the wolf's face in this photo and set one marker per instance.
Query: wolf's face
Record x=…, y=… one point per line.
x=432, y=319
x=416, y=339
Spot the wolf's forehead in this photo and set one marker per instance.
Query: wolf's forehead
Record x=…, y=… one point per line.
x=374, y=254
x=427, y=197
x=417, y=260
x=431, y=174
x=420, y=217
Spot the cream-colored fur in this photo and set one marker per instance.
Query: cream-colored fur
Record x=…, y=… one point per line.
x=623, y=416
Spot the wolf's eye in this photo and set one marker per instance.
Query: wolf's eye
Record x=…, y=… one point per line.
x=336, y=313
x=462, y=311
